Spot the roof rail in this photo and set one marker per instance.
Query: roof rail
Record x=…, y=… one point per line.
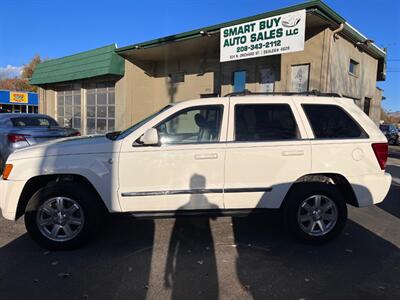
x=310, y=93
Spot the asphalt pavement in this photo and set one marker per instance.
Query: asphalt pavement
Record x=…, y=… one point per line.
x=201, y=258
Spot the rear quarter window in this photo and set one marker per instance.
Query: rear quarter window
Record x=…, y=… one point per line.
x=332, y=122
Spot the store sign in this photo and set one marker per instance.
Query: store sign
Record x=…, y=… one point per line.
x=16, y=97
x=270, y=36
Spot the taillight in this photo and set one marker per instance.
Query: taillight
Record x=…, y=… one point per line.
x=381, y=153
x=77, y=133
x=14, y=138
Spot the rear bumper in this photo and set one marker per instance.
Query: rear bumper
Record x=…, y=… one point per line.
x=10, y=191
x=371, y=189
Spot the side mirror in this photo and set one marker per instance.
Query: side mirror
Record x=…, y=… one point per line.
x=150, y=137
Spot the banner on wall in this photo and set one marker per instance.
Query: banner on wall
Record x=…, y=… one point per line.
x=270, y=36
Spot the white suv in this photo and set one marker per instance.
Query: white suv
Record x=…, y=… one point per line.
x=306, y=155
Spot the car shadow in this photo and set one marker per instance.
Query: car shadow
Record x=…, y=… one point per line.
x=271, y=265
x=110, y=267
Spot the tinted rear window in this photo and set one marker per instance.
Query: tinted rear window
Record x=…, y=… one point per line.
x=332, y=122
x=33, y=122
x=264, y=122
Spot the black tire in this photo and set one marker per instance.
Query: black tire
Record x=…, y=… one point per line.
x=302, y=191
x=94, y=214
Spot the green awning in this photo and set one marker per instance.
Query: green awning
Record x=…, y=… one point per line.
x=96, y=62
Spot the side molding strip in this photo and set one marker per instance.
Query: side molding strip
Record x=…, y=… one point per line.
x=196, y=191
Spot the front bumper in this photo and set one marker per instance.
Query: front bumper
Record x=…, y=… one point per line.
x=10, y=192
x=371, y=189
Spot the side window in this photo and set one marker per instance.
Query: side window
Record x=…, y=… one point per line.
x=264, y=122
x=201, y=124
x=331, y=122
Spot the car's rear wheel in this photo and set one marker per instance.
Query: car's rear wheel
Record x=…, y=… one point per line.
x=315, y=212
x=63, y=215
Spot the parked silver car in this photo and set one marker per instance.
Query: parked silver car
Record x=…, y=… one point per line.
x=23, y=130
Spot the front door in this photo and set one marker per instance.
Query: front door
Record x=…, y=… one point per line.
x=185, y=171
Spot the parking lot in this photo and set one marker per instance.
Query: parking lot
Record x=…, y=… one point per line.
x=226, y=258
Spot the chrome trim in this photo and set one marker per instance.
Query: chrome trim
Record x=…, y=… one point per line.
x=175, y=192
x=196, y=191
x=248, y=190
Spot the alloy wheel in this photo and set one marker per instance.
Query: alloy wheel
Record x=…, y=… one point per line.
x=317, y=215
x=60, y=219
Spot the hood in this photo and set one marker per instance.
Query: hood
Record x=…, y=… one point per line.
x=68, y=146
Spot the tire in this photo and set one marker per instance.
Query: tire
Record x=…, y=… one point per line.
x=299, y=221
x=81, y=213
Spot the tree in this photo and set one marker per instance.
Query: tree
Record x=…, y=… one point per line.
x=28, y=69
x=21, y=83
x=390, y=118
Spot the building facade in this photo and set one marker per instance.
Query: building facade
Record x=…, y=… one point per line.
x=111, y=88
x=18, y=102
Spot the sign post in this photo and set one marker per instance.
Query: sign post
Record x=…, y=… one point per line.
x=270, y=36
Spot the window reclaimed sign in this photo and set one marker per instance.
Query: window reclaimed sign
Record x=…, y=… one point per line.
x=270, y=36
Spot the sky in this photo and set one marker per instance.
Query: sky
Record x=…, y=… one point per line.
x=55, y=28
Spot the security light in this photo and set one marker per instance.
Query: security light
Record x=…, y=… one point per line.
x=204, y=33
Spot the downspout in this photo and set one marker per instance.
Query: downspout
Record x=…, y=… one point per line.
x=333, y=36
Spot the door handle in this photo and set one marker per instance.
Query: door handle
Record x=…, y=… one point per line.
x=206, y=156
x=293, y=153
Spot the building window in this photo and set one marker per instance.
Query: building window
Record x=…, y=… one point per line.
x=32, y=109
x=367, y=105
x=353, y=67
x=300, y=78
x=239, y=81
x=69, y=106
x=100, y=108
x=267, y=80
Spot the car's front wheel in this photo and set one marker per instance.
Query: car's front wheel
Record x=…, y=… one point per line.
x=315, y=212
x=63, y=215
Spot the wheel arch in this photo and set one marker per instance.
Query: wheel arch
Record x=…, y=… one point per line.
x=38, y=182
x=338, y=180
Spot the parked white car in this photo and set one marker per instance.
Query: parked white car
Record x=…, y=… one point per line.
x=306, y=155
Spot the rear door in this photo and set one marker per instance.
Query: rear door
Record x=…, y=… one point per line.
x=267, y=150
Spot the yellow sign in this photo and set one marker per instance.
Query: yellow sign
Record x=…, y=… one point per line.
x=16, y=97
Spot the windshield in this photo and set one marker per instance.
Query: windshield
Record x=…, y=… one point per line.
x=34, y=121
x=131, y=129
